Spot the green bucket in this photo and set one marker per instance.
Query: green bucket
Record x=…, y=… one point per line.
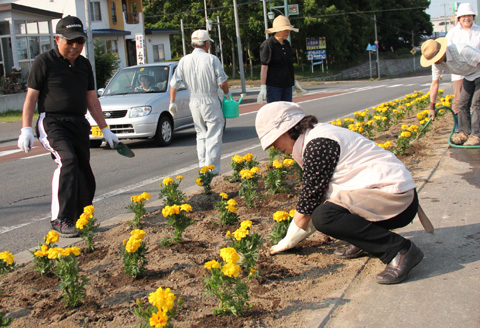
x=230, y=107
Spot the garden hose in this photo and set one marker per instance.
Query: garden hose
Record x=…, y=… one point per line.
x=455, y=124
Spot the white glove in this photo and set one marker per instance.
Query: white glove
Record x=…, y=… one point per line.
x=298, y=89
x=292, y=238
x=262, y=96
x=25, y=140
x=172, y=108
x=109, y=137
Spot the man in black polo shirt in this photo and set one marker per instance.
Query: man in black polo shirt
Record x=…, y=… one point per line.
x=61, y=82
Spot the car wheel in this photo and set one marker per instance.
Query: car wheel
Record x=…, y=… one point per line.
x=95, y=143
x=164, y=134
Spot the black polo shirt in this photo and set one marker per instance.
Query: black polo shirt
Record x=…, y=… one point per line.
x=279, y=59
x=63, y=87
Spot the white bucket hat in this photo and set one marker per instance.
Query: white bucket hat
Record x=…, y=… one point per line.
x=465, y=9
x=201, y=35
x=281, y=23
x=276, y=118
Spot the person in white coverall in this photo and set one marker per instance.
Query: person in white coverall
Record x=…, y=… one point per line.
x=202, y=74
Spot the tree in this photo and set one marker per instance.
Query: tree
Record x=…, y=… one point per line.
x=105, y=64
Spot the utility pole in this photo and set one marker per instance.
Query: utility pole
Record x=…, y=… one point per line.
x=265, y=17
x=90, y=49
x=413, y=47
x=445, y=16
x=377, y=44
x=220, y=39
x=206, y=17
x=183, y=37
x=239, y=47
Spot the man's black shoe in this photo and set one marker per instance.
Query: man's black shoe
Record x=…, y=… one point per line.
x=65, y=227
x=349, y=252
x=397, y=270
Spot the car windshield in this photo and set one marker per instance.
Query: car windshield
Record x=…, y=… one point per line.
x=138, y=80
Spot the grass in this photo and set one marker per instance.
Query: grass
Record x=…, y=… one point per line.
x=11, y=116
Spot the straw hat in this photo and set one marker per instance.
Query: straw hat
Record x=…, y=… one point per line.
x=432, y=51
x=281, y=23
x=465, y=9
x=276, y=118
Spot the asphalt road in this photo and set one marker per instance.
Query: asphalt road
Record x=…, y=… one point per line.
x=25, y=179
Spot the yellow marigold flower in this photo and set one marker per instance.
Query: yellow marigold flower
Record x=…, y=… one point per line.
x=167, y=181
x=422, y=122
x=223, y=195
x=199, y=182
x=204, y=169
x=137, y=233
x=232, y=202
x=65, y=251
x=387, y=144
x=276, y=164
x=124, y=241
x=81, y=223
x=213, y=264
x=254, y=169
x=231, y=208
x=288, y=162
x=248, y=157
x=89, y=209
x=291, y=213
x=53, y=253
x=404, y=126
x=405, y=134
x=162, y=299
x=158, y=320
x=246, y=174
x=377, y=117
x=170, y=210
x=133, y=244
x=7, y=257
x=280, y=216
x=186, y=208
x=75, y=250
x=333, y=122
x=384, y=118
x=360, y=129
x=145, y=195
x=240, y=233
x=51, y=237
x=211, y=167
x=179, y=177
x=42, y=252
x=228, y=234
x=237, y=159
x=229, y=255
x=252, y=271
x=231, y=269
x=247, y=224
x=134, y=198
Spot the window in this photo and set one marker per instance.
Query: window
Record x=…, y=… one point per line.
x=22, y=48
x=95, y=13
x=110, y=46
x=113, y=12
x=34, y=44
x=158, y=53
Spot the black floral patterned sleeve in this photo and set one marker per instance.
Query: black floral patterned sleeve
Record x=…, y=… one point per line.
x=319, y=161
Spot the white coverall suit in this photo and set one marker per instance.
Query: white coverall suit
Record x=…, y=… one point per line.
x=202, y=74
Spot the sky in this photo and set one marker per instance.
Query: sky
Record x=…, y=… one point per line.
x=436, y=8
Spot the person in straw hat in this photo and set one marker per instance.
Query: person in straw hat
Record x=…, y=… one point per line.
x=464, y=32
x=462, y=60
x=277, y=76
x=352, y=189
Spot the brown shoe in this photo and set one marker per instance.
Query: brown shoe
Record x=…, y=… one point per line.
x=350, y=252
x=397, y=270
x=459, y=138
x=472, y=141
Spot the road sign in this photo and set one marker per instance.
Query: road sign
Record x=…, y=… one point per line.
x=317, y=54
x=316, y=43
x=371, y=48
x=292, y=10
x=376, y=42
x=413, y=51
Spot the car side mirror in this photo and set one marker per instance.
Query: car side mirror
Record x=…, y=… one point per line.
x=100, y=92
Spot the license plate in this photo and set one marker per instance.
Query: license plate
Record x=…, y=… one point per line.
x=96, y=132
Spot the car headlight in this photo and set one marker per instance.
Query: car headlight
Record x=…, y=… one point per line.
x=140, y=111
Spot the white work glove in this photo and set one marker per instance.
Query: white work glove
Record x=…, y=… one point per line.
x=228, y=95
x=298, y=89
x=25, y=140
x=172, y=108
x=292, y=238
x=109, y=137
x=262, y=96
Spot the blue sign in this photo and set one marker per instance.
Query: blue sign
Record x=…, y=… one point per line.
x=371, y=48
x=317, y=54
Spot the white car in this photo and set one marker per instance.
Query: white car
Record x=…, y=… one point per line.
x=135, y=111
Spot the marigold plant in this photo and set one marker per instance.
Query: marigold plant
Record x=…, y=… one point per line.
x=279, y=230
x=225, y=283
x=161, y=311
x=134, y=253
x=227, y=209
x=275, y=176
x=206, y=176
x=41, y=263
x=87, y=226
x=176, y=218
x=248, y=185
x=246, y=244
x=170, y=190
x=137, y=205
x=7, y=264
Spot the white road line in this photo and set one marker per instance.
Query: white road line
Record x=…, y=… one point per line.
x=9, y=152
x=394, y=86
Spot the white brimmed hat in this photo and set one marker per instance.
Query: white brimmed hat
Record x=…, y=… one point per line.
x=465, y=9
x=432, y=51
x=281, y=23
x=276, y=118
x=201, y=35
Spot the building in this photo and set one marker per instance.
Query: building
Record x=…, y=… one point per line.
x=29, y=25
x=441, y=25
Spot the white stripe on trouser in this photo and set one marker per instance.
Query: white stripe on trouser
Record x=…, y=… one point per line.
x=208, y=119
x=55, y=207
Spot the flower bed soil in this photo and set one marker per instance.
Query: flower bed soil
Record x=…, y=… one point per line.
x=291, y=287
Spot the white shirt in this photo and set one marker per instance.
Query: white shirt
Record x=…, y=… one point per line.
x=460, y=36
x=461, y=60
x=201, y=72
